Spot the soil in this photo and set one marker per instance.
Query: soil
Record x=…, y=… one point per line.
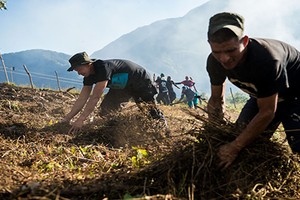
x=128, y=156
x=40, y=159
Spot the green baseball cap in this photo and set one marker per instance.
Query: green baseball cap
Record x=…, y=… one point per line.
x=232, y=21
x=78, y=59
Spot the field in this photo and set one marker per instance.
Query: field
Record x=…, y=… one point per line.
x=128, y=156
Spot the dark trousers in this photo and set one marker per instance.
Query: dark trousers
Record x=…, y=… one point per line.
x=163, y=97
x=115, y=98
x=287, y=113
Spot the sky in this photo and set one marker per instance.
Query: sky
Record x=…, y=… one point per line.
x=277, y=19
x=71, y=26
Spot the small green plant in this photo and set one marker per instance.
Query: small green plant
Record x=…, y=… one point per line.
x=13, y=105
x=140, y=159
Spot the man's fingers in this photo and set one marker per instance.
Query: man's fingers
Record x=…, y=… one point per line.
x=221, y=164
x=74, y=130
x=225, y=160
x=70, y=131
x=224, y=165
x=227, y=164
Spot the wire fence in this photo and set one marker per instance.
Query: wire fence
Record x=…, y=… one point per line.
x=14, y=75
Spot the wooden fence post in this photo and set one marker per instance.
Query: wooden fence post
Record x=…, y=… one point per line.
x=30, y=79
x=4, y=68
x=233, y=99
x=57, y=79
x=11, y=74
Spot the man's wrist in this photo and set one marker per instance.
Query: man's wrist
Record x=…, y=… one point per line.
x=66, y=119
x=80, y=119
x=238, y=144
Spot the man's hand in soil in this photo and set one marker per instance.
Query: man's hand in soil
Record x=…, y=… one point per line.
x=59, y=127
x=227, y=154
x=76, y=127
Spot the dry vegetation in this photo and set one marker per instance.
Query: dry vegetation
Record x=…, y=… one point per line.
x=127, y=156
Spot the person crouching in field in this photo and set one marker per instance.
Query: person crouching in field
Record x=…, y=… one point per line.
x=192, y=98
x=267, y=69
x=125, y=79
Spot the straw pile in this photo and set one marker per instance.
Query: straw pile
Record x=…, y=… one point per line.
x=40, y=160
x=264, y=170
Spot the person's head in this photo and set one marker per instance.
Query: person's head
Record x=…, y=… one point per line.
x=169, y=78
x=186, y=78
x=162, y=75
x=185, y=88
x=82, y=64
x=226, y=38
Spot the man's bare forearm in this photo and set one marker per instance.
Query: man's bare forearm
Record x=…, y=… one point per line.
x=77, y=107
x=89, y=108
x=215, y=108
x=256, y=126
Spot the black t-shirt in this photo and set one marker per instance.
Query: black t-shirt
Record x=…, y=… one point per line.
x=120, y=74
x=189, y=93
x=162, y=85
x=270, y=66
x=170, y=86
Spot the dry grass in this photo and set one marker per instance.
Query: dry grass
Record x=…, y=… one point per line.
x=127, y=156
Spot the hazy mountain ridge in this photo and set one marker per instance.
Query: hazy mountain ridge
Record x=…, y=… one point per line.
x=42, y=65
x=174, y=46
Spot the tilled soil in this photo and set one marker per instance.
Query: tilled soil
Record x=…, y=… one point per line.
x=128, y=156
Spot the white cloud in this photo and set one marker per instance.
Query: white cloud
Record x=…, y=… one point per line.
x=269, y=18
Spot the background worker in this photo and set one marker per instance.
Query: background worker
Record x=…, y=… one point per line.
x=187, y=82
x=125, y=80
x=191, y=97
x=163, y=92
x=268, y=70
x=171, y=91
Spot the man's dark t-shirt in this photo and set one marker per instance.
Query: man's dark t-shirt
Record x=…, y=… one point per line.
x=121, y=74
x=270, y=66
x=162, y=85
x=170, y=86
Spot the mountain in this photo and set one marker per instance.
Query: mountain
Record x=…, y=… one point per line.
x=179, y=47
x=175, y=47
x=43, y=65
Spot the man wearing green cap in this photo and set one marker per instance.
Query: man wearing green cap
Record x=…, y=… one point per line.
x=268, y=70
x=124, y=79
